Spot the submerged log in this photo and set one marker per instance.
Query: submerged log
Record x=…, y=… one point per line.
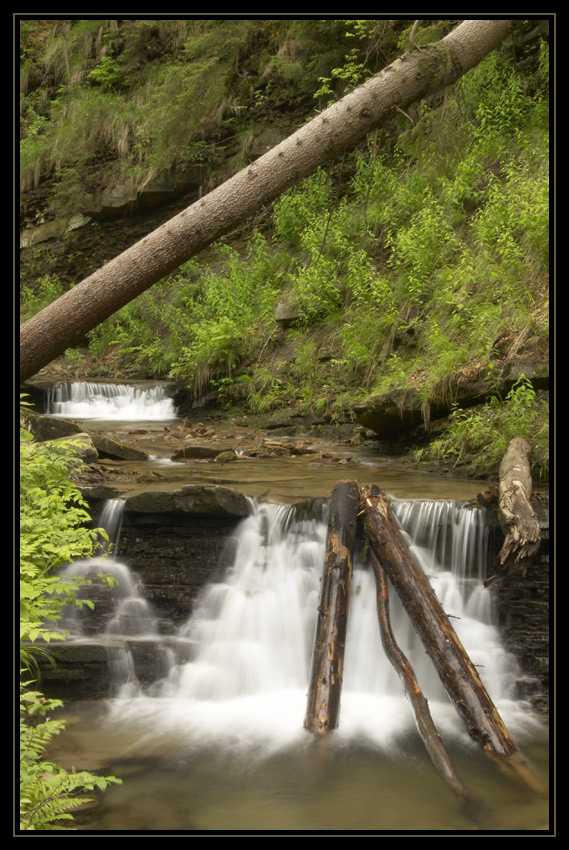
x=517, y=517
x=323, y=705
x=455, y=669
x=425, y=724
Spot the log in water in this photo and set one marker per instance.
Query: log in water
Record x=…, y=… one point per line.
x=455, y=668
x=323, y=707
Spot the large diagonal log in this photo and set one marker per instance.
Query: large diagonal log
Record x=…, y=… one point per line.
x=323, y=707
x=417, y=74
x=454, y=667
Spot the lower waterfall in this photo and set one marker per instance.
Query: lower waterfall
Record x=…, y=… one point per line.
x=238, y=670
x=217, y=742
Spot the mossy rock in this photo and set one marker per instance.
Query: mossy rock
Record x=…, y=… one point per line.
x=205, y=499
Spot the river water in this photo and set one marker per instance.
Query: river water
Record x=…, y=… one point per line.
x=218, y=745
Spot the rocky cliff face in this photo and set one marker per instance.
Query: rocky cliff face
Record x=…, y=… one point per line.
x=522, y=608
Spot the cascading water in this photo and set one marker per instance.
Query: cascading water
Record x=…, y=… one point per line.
x=253, y=632
x=88, y=400
x=218, y=739
x=252, y=637
x=121, y=604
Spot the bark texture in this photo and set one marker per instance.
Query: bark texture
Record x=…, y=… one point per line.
x=456, y=671
x=413, y=76
x=323, y=707
x=424, y=721
x=517, y=517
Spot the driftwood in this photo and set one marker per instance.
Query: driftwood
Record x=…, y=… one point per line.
x=323, y=705
x=455, y=669
x=517, y=517
x=424, y=721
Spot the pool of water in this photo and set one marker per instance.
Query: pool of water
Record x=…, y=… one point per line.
x=337, y=784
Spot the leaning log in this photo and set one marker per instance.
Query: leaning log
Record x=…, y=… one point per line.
x=416, y=75
x=455, y=669
x=323, y=706
x=517, y=517
x=424, y=721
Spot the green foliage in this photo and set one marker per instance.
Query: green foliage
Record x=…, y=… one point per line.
x=106, y=73
x=461, y=212
x=150, y=94
x=48, y=289
x=53, y=532
x=295, y=210
x=53, y=517
x=202, y=322
x=427, y=243
x=48, y=793
x=480, y=436
x=227, y=313
x=434, y=248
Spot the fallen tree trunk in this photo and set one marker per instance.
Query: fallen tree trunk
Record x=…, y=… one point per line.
x=455, y=669
x=517, y=517
x=417, y=74
x=323, y=705
x=425, y=723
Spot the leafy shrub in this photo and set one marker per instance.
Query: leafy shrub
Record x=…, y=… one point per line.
x=48, y=793
x=295, y=209
x=482, y=434
x=53, y=532
x=48, y=289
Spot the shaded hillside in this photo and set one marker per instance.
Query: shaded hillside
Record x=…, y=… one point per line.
x=411, y=275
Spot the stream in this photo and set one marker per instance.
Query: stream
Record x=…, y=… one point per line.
x=217, y=745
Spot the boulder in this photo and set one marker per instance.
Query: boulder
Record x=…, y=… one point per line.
x=46, y=428
x=398, y=412
x=56, y=228
x=205, y=499
x=121, y=198
x=83, y=447
x=391, y=414
x=286, y=314
x=116, y=450
x=195, y=451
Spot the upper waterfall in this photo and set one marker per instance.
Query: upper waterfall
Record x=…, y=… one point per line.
x=88, y=400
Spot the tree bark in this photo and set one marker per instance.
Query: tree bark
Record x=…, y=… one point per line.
x=455, y=669
x=323, y=707
x=424, y=721
x=517, y=517
x=413, y=76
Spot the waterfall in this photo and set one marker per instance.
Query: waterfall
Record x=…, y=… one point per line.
x=121, y=608
x=120, y=611
x=87, y=400
x=253, y=632
x=237, y=672
x=251, y=637
x=110, y=519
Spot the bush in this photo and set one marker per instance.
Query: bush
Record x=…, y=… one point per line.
x=480, y=436
x=53, y=530
x=48, y=289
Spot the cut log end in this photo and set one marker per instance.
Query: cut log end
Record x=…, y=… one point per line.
x=522, y=535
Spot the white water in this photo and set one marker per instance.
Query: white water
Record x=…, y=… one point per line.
x=252, y=634
x=87, y=400
x=128, y=613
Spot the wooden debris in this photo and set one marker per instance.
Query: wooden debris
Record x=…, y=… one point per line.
x=323, y=705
